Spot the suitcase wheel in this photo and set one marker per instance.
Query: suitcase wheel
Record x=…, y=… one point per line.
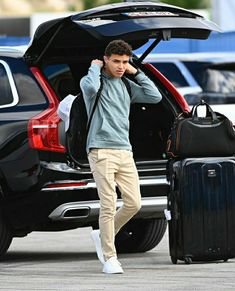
x=174, y=260
x=188, y=260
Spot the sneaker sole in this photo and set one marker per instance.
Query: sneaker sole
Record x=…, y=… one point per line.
x=113, y=272
x=98, y=249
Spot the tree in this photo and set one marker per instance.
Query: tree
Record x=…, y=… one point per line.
x=189, y=4
x=94, y=3
x=89, y=4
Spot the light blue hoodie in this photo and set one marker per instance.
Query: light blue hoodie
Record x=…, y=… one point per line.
x=110, y=123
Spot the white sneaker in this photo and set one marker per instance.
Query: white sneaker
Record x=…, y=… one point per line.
x=112, y=266
x=95, y=234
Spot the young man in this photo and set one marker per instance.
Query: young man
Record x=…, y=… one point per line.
x=108, y=146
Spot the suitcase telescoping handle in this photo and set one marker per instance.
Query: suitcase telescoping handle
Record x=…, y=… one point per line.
x=209, y=111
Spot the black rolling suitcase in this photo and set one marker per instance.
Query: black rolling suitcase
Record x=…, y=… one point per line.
x=202, y=207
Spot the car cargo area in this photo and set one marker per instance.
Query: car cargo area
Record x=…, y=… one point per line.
x=148, y=132
x=149, y=123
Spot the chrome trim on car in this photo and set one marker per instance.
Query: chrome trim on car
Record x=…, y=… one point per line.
x=12, y=85
x=90, y=184
x=63, y=167
x=149, y=206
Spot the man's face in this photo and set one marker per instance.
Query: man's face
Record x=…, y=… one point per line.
x=116, y=65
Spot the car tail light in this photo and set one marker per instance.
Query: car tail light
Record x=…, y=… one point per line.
x=43, y=128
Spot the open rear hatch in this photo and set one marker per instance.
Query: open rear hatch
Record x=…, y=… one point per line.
x=84, y=36
x=89, y=31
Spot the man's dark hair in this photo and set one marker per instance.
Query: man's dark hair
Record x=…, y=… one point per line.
x=118, y=47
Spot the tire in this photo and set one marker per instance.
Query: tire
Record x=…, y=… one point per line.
x=174, y=260
x=5, y=237
x=139, y=236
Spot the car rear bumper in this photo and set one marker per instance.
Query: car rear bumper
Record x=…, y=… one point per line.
x=152, y=207
x=153, y=190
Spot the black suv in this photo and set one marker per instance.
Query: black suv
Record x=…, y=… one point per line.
x=43, y=187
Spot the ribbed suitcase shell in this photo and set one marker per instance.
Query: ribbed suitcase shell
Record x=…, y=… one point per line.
x=202, y=205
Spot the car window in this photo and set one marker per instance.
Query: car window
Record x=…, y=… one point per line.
x=197, y=69
x=6, y=96
x=221, y=81
x=172, y=73
x=218, y=84
x=61, y=79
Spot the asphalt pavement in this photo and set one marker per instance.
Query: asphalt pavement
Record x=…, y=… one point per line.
x=67, y=261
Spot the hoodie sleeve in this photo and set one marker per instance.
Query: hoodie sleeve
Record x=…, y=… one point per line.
x=145, y=91
x=90, y=83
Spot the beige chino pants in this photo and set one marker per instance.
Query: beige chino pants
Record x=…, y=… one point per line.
x=111, y=167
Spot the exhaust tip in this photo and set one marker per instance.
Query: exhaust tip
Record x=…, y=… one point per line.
x=77, y=213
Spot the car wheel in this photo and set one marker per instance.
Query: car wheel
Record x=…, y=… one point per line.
x=140, y=235
x=5, y=237
x=173, y=260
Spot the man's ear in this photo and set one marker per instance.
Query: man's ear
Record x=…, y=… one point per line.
x=105, y=59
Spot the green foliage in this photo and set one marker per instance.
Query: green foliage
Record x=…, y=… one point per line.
x=189, y=4
x=89, y=4
x=94, y=3
x=114, y=1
